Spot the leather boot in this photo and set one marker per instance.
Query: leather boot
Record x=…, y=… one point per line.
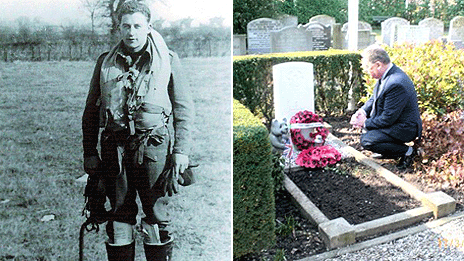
x=158, y=252
x=121, y=253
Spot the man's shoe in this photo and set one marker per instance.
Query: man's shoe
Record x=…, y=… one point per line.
x=406, y=161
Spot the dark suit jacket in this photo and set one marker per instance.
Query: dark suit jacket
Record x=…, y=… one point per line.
x=396, y=110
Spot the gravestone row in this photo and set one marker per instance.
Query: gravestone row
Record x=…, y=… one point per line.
x=266, y=35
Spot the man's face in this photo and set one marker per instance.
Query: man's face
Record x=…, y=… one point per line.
x=134, y=29
x=374, y=69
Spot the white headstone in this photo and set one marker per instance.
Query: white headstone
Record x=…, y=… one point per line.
x=437, y=27
x=456, y=30
x=293, y=88
x=413, y=34
x=389, y=29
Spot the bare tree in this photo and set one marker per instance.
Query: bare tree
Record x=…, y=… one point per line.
x=94, y=7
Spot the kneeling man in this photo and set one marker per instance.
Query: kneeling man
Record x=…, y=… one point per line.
x=391, y=117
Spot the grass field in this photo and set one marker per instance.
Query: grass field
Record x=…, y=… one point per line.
x=40, y=132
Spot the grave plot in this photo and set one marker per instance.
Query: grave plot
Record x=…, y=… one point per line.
x=350, y=190
x=338, y=232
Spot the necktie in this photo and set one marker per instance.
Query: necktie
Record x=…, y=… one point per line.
x=376, y=95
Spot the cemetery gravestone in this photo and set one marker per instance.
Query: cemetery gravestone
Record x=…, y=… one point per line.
x=413, y=34
x=321, y=35
x=259, y=34
x=337, y=37
x=365, y=35
x=437, y=27
x=293, y=89
x=291, y=39
x=239, y=44
x=456, y=31
x=323, y=19
x=389, y=29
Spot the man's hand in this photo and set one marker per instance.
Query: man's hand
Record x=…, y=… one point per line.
x=172, y=177
x=91, y=164
x=181, y=162
x=358, y=118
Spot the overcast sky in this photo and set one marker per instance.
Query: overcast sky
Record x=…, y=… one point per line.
x=62, y=12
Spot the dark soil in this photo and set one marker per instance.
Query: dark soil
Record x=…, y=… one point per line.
x=354, y=192
x=342, y=130
x=345, y=190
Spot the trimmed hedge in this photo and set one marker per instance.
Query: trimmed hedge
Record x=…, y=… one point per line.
x=254, y=204
x=335, y=72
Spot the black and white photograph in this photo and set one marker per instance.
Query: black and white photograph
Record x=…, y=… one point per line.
x=115, y=124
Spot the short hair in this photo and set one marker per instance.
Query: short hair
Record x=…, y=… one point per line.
x=134, y=6
x=376, y=53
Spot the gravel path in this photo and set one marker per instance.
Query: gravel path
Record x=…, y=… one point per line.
x=437, y=240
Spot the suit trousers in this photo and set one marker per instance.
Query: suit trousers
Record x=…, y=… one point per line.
x=379, y=142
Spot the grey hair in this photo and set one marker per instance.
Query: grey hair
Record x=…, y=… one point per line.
x=376, y=53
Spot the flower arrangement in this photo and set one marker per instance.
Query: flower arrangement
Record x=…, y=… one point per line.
x=318, y=157
x=311, y=154
x=298, y=139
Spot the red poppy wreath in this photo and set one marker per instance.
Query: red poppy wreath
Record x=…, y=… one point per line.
x=305, y=117
x=311, y=156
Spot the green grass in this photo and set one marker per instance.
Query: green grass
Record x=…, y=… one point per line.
x=40, y=135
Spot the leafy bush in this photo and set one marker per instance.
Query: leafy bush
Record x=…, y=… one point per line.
x=335, y=73
x=437, y=71
x=253, y=184
x=443, y=146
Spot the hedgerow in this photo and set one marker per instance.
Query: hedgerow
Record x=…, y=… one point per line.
x=253, y=184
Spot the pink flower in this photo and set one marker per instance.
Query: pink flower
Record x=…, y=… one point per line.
x=318, y=157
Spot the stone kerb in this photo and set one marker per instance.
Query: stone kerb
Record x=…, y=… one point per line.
x=389, y=29
x=339, y=233
x=437, y=27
